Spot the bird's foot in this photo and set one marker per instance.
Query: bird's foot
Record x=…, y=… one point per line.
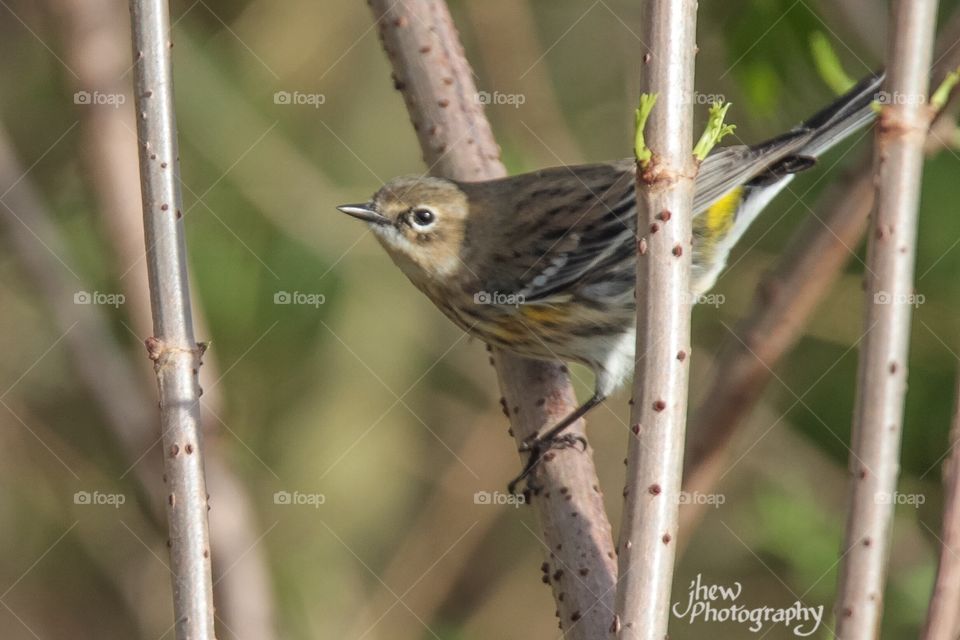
x=538, y=447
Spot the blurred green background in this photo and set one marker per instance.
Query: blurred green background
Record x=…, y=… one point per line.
x=349, y=438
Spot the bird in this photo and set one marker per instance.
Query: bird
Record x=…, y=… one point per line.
x=543, y=264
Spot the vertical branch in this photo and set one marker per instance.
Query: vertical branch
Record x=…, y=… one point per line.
x=882, y=374
x=943, y=615
x=436, y=81
x=96, y=44
x=647, y=545
x=173, y=349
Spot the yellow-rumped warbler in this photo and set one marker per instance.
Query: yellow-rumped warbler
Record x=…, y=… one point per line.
x=543, y=264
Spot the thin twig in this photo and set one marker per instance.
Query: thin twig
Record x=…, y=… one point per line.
x=647, y=545
x=173, y=349
x=882, y=377
x=943, y=615
x=96, y=44
x=436, y=81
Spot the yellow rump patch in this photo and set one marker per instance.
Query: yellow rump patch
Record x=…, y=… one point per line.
x=721, y=214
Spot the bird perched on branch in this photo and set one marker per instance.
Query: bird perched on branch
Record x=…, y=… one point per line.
x=543, y=264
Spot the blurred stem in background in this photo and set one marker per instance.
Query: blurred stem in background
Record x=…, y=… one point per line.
x=100, y=363
x=943, y=614
x=417, y=547
x=862, y=16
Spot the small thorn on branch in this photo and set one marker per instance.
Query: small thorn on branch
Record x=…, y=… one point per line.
x=154, y=348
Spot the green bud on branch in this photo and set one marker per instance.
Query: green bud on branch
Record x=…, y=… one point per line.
x=714, y=132
x=939, y=98
x=640, y=149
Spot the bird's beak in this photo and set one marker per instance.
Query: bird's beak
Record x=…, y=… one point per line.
x=366, y=212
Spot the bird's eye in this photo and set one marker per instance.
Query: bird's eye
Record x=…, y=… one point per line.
x=422, y=218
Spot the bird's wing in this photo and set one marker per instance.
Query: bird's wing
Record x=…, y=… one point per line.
x=562, y=227
x=571, y=230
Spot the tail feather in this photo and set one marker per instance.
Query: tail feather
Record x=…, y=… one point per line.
x=846, y=115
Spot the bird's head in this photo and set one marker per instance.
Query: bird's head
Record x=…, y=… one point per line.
x=420, y=221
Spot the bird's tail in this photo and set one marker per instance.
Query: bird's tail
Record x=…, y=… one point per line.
x=736, y=183
x=799, y=148
x=849, y=113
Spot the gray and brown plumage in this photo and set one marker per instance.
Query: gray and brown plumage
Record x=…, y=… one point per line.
x=543, y=264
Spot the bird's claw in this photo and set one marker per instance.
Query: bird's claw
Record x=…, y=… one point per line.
x=537, y=447
x=562, y=441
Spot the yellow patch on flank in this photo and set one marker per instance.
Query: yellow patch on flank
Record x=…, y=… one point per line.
x=513, y=329
x=720, y=214
x=542, y=313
